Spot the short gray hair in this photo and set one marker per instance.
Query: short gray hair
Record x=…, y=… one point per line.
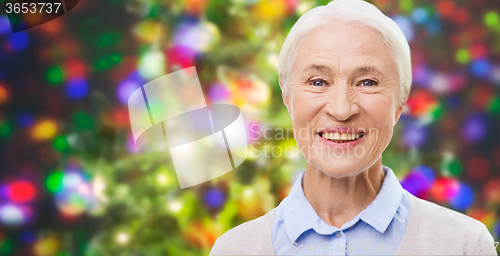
x=349, y=11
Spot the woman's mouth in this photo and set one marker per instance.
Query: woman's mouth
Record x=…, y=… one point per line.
x=341, y=137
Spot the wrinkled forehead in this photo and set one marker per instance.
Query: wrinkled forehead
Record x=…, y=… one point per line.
x=340, y=44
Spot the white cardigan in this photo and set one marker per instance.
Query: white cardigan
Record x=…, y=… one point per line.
x=431, y=230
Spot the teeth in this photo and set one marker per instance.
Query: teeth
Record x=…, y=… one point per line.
x=336, y=136
x=341, y=137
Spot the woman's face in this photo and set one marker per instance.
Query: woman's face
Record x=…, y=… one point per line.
x=343, y=98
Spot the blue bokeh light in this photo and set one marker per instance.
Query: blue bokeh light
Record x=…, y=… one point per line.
x=480, y=67
x=474, y=128
x=25, y=120
x=28, y=237
x=214, y=198
x=464, y=198
x=433, y=27
x=497, y=229
x=405, y=25
x=427, y=173
x=414, y=136
x=125, y=89
x=18, y=41
x=419, y=15
x=4, y=25
x=421, y=75
x=77, y=88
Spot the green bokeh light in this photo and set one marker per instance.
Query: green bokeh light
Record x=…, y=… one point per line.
x=406, y=5
x=6, y=129
x=494, y=105
x=55, y=75
x=451, y=167
x=462, y=56
x=108, y=62
x=54, y=182
x=437, y=112
x=6, y=246
x=83, y=120
x=491, y=19
x=109, y=39
x=60, y=143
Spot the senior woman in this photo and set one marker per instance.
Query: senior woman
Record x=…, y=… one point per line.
x=345, y=74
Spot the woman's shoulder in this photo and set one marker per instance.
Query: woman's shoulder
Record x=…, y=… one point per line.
x=250, y=238
x=436, y=215
x=434, y=229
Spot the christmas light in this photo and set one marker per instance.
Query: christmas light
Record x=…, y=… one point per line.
x=44, y=130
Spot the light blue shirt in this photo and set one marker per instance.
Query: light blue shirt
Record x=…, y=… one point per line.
x=377, y=230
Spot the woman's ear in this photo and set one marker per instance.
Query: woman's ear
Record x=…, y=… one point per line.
x=285, y=95
x=399, y=111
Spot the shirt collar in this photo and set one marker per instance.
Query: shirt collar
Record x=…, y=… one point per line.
x=300, y=216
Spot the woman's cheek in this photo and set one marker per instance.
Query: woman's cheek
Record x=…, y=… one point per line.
x=304, y=105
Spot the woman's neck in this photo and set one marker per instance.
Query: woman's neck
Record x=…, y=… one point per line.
x=338, y=200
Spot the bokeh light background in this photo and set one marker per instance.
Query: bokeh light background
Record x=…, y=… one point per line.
x=72, y=181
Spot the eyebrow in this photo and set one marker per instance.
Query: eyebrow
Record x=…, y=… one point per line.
x=368, y=69
x=315, y=67
x=360, y=70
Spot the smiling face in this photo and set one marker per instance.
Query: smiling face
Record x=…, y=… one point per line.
x=343, y=98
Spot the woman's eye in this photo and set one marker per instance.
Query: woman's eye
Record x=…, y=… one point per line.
x=317, y=82
x=368, y=83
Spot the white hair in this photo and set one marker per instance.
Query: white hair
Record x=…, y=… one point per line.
x=349, y=11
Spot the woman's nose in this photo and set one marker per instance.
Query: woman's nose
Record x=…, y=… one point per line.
x=342, y=103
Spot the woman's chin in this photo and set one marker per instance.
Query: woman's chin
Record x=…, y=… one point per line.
x=340, y=168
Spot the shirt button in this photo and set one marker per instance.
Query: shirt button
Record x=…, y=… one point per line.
x=338, y=234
